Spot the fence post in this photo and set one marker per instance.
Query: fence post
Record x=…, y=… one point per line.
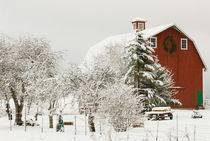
x=177, y=131
x=170, y=136
x=157, y=131
x=100, y=127
x=194, y=131
x=42, y=124
x=75, y=126
x=25, y=114
x=85, y=124
x=10, y=124
x=127, y=130
x=145, y=130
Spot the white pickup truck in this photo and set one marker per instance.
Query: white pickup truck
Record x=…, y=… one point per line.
x=158, y=113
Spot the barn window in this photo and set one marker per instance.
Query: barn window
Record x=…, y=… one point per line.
x=140, y=26
x=153, y=41
x=134, y=26
x=183, y=44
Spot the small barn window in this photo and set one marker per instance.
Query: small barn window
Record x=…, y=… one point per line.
x=153, y=41
x=183, y=44
x=134, y=26
x=140, y=26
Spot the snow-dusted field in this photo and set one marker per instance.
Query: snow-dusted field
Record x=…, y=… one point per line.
x=166, y=130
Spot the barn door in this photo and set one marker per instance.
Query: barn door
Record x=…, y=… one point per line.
x=199, y=99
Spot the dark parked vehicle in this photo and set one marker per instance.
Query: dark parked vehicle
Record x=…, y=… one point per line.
x=196, y=114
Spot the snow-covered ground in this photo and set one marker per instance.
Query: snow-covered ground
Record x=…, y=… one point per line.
x=165, y=130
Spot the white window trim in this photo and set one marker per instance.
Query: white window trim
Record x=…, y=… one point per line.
x=155, y=42
x=182, y=39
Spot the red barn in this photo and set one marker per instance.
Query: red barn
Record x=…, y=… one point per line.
x=179, y=53
x=175, y=50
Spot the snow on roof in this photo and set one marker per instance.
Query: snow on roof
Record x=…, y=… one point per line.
x=119, y=40
x=138, y=19
x=122, y=39
x=147, y=33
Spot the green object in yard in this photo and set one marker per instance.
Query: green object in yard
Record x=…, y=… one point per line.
x=62, y=124
x=199, y=99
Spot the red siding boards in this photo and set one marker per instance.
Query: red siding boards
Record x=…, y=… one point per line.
x=186, y=65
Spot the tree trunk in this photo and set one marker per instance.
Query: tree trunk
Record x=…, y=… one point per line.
x=8, y=111
x=50, y=121
x=51, y=109
x=18, y=118
x=37, y=113
x=36, y=116
x=29, y=106
x=8, y=108
x=18, y=107
x=91, y=123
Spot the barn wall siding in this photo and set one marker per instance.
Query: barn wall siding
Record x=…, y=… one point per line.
x=185, y=64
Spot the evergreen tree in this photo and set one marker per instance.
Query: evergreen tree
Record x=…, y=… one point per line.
x=140, y=64
x=164, y=87
x=150, y=79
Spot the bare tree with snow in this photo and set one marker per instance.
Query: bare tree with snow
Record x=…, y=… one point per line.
x=5, y=54
x=91, y=83
x=27, y=57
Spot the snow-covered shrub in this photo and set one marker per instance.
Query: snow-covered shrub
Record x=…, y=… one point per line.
x=119, y=105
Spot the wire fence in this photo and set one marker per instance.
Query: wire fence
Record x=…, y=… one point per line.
x=158, y=130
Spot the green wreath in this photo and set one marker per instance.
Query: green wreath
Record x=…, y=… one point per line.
x=174, y=46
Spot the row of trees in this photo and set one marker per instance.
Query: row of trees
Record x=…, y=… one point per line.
x=122, y=82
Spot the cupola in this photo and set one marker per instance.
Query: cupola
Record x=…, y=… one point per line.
x=138, y=24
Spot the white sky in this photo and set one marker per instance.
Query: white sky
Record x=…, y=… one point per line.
x=76, y=25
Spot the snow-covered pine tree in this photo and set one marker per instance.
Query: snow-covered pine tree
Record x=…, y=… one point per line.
x=140, y=64
x=164, y=87
x=151, y=80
